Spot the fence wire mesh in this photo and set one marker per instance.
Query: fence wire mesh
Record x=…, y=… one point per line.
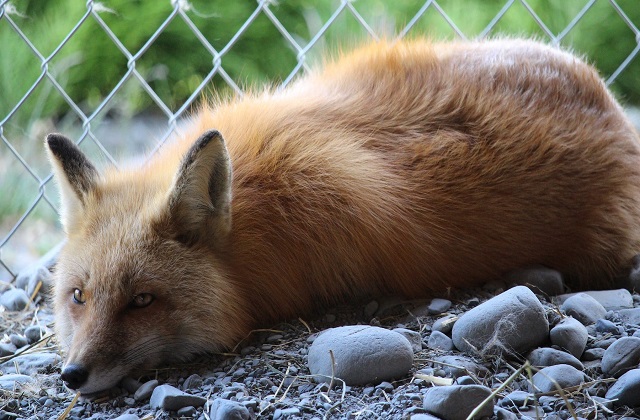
x=28, y=203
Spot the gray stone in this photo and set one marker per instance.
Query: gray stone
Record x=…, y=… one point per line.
x=456, y=366
x=626, y=390
x=634, y=273
x=371, y=308
x=192, y=382
x=608, y=327
x=584, y=308
x=440, y=341
x=171, y=398
x=127, y=416
x=18, y=340
x=570, y=335
x=444, y=324
x=130, y=384
x=502, y=414
x=423, y=416
x=34, y=333
x=188, y=412
x=47, y=262
x=414, y=338
x=31, y=363
x=512, y=322
x=538, y=278
x=621, y=356
x=7, y=349
x=439, y=306
x=14, y=299
x=146, y=389
x=611, y=300
x=362, y=354
x=13, y=381
x=222, y=409
x=517, y=399
x=456, y=402
x=630, y=316
x=547, y=356
x=593, y=354
x=563, y=375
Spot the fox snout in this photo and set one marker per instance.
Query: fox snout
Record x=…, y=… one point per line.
x=74, y=376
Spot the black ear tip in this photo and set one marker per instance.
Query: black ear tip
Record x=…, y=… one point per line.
x=56, y=141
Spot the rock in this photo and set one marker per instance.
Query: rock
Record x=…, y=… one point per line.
x=456, y=366
x=517, y=399
x=130, y=385
x=444, y=324
x=634, y=273
x=456, y=402
x=611, y=300
x=362, y=354
x=630, y=316
x=584, y=308
x=593, y=354
x=440, y=341
x=170, y=398
x=31, y=363
x=414, y=337
x=188, y=412
x=45, y=262
x=14, y=299
x=621, y=356
x=422, y=416
x=439, y=306
x=626, y=390
x=538, y=278
x=146, y=389
x=34, y=333
x=570, y=335
x=12, y=381
x=7, y=349
x=18, y=340
x=608, y=327
x=512, y=322
x=547, y=356
x=127, y=416
x=564, y=375
x=192, y=382
x=222, y=409
x=371, y=309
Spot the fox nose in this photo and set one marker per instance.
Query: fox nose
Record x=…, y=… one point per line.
x=74, y=376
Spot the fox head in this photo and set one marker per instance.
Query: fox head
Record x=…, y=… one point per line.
x=142, y=279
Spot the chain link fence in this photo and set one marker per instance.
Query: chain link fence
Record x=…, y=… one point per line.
x=28, y=202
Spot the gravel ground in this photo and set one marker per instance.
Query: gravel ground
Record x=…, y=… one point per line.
x=269, y=376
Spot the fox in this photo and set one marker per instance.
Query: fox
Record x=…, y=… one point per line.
x=396, y=168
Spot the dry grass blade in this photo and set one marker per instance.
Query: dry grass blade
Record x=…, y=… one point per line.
x=435, y=380
x=66, y=412
x=27, y=349
x=510, y=379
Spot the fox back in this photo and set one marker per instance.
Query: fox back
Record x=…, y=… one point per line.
x=400, y=168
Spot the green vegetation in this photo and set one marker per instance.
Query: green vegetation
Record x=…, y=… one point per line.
x=90, y=64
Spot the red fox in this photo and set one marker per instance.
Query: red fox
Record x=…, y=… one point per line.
x=400, y=168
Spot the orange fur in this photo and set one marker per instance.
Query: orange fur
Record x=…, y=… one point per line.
x=400, y=168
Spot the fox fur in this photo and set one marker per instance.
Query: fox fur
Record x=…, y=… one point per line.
x=399, y=168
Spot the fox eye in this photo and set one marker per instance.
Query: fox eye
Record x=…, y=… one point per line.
x=78, y=296
x=142, y=300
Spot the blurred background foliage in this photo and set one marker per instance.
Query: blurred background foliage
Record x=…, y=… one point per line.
x=89, y=65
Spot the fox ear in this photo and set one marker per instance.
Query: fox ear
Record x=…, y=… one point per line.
x=75, y=175
x=200, y=197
